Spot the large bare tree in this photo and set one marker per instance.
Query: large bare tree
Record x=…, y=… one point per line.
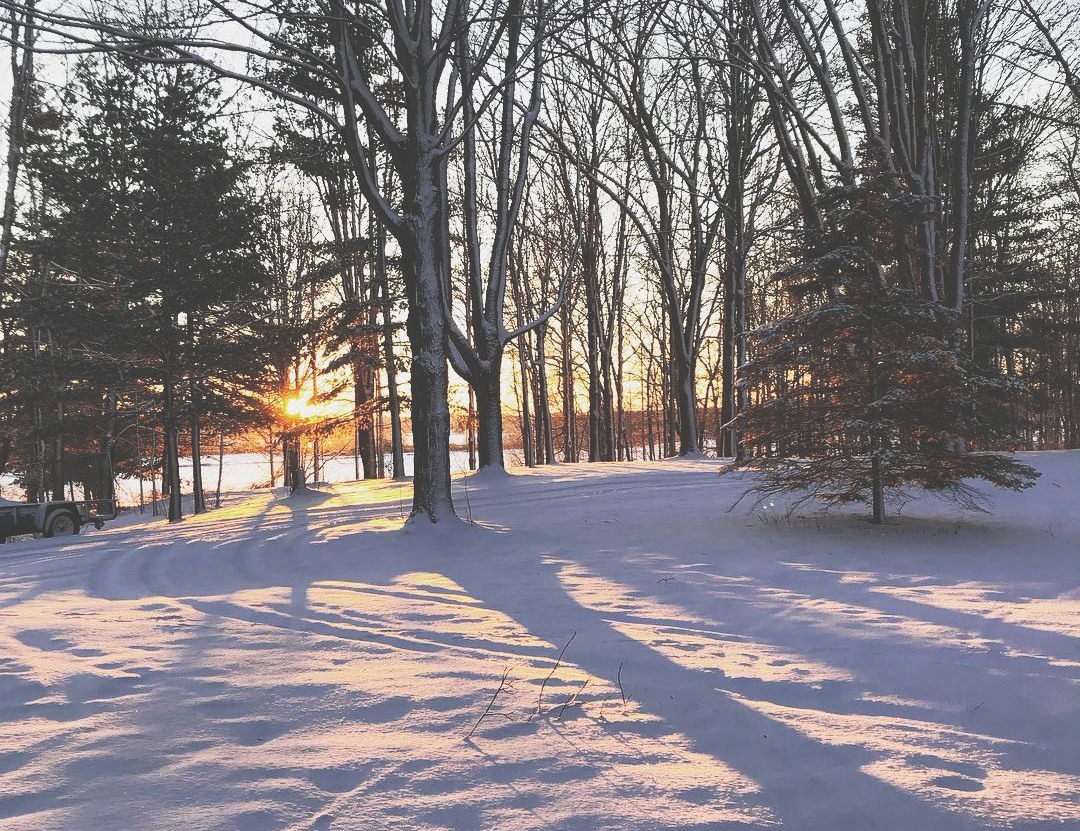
x=448, y=62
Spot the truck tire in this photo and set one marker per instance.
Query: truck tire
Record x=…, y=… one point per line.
x=61, y=524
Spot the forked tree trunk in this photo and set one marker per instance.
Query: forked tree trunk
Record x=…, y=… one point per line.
x=432, y=498
x=489, y=428
x=686, y=407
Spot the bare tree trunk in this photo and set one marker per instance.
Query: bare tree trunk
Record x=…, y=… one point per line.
x=22, y=78
x=393, y=397
x=527, y=446
x=471, y=427
x=489, y=421
x=171, y=448
x=58, y=455
x=569, y=407
x=153, y=473
x=364, y=403
x=197, y=493
x=105, y=459
x=477, y=355
x=970, y=18
x=543, y=404
x=220, y=468
x=424, y=286
x=198, y=496
x=517, y=277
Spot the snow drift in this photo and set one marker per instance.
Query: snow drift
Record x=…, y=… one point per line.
x=305, y=664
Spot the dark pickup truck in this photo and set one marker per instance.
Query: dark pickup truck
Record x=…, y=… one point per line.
x=53, y=519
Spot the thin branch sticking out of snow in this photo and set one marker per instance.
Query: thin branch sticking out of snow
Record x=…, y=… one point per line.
x=540, y=700
x=503, y=685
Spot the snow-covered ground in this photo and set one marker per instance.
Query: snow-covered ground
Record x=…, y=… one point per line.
x=304, y=664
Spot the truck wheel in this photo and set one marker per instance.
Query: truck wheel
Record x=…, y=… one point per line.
x=61, y=524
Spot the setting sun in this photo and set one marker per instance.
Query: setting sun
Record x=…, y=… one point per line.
x=299, y=408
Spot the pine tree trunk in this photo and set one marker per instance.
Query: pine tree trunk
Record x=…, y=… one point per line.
x=171, y=451
x=363, y=401
x=877, y=489
x=153, y=473
x=197, y=493
x=198, y=496
x=220, y=468
x=106, y=491
x=58, y=455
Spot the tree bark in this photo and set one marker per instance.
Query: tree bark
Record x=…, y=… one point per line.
x=489, y=421
x=424, y=286
x=171, y=450
x=198, y=495
x=544, y=406
x=22, y=77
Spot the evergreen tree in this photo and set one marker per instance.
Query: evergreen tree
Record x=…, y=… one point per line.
x=147, y=262
x=862, y=392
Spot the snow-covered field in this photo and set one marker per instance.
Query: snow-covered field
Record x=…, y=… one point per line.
x=304, y=664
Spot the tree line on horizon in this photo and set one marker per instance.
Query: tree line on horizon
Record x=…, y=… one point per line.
x=835, y=240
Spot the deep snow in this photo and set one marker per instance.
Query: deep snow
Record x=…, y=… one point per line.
x=304, y=664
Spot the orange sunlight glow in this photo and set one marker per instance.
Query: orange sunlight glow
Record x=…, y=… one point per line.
x=300, y=408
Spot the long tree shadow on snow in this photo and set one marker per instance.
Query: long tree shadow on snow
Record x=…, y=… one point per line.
x=806, y=783
x=793, y=771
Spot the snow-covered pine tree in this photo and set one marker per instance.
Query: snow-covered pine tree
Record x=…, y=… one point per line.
x=862, y=393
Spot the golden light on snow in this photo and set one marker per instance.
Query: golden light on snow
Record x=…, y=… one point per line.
x=658, y=674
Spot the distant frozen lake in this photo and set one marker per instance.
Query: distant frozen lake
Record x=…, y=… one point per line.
x=251, y=471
